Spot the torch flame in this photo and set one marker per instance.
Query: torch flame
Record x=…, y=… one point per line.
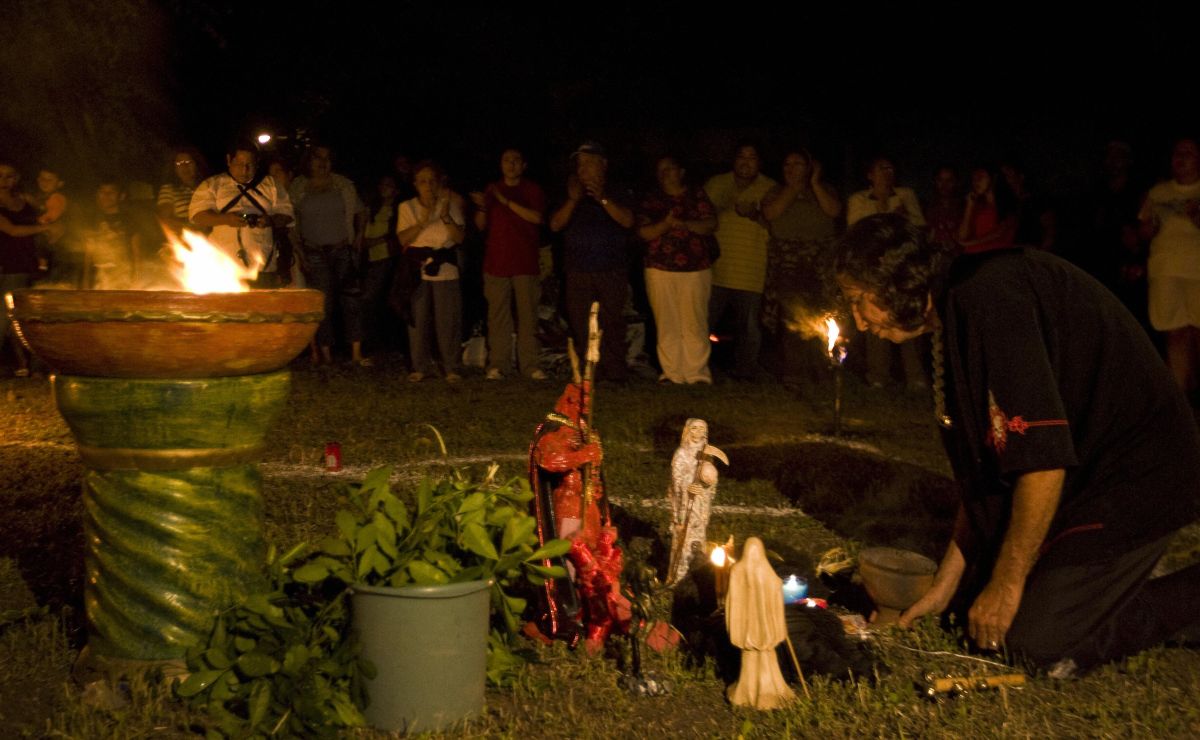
x=203, y=268
x=831, y=333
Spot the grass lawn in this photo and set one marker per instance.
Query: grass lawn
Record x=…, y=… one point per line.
x=884, y=481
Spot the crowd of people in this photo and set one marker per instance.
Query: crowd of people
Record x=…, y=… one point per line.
x=405, y=258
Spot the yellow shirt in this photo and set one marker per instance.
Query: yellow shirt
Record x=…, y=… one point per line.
x=743, y=241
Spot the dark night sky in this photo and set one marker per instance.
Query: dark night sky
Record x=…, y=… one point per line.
x=458, y=81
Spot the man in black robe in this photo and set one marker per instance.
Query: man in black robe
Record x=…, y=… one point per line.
x=1077, y=456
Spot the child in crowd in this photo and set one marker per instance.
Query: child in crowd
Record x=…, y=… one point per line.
x=51, y=204
x=50, y=201
x=111, y=244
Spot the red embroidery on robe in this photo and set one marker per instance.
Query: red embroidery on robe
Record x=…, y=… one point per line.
x=1001, y=424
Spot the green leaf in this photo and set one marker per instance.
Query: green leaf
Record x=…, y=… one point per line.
x=244, y=644
x=313, y=572
x=335, y=547
x=517, y=530
x=398, y=512
x=197, y=682
x=385, y=535
x=553, y=571
x=346, y=524
x=260, y=702
x=294, y=659
x=500, y=515
x=426, y=574
x=378, y=479
x=474, y=502
x=552, y=549
x=367, y=562
x=475, y=538
x=217, y=658
x=364, y=537
x=515, y=603
x=256, y=664
x=424, y=495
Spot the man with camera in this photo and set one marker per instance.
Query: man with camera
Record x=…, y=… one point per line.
x=242, y=206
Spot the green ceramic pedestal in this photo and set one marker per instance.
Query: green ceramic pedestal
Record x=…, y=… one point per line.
x=173, y=504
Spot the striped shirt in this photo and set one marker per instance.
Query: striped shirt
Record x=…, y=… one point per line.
x=743, y=241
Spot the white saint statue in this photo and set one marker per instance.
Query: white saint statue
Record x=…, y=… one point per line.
x=693, y=485
x=754, y=618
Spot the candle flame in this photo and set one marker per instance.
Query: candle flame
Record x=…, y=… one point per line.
x=203, y=268
x=718, y=557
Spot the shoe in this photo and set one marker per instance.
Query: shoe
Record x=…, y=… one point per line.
x=537, y=374
x=363, y=362
x=664, y=380
x=453, y=378
x=22, y=372
x=416, y=377
x=493, y=373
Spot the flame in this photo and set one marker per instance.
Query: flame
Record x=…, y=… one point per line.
x=831, y=334
x=203, y=268
x=718, y=557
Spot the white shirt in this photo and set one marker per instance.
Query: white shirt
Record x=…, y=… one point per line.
x=435, y=235
x=863, y=204
x=259, y=243
x=1175, y=249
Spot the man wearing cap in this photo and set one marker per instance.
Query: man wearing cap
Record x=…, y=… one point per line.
x=595, y=221
x=740, y=272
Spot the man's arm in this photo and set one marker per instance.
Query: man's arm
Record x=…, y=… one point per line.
x=1035, y=501
x=946, y=581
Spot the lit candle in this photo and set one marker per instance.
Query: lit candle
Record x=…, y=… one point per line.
x=720, y=573
x=794, y=589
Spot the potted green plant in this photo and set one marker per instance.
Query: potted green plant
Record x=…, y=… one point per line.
x=422, y=577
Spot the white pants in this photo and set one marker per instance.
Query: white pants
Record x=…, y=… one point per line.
x=680, y=304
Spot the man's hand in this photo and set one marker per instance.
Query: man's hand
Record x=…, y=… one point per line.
x=935, y=601
x=595, y=189
x=479, y=199
x=574, y=188
x=993, y=612
x=817, y=171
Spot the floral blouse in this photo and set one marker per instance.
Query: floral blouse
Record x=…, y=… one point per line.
x=678, y=250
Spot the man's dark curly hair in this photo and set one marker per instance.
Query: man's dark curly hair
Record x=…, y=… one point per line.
x=890, y=258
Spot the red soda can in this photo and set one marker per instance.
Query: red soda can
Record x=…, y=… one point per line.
x=333, y=457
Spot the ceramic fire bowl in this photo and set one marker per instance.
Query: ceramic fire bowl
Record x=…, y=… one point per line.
x=166, y=334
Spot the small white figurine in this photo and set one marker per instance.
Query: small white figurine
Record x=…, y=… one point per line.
x=754, y=618
x=693, y=485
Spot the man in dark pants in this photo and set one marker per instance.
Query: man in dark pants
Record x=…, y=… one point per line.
x=1077, y=456
x=595, y=222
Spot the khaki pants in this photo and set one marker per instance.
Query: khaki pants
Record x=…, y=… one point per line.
x=501, y=294
x=680, y=304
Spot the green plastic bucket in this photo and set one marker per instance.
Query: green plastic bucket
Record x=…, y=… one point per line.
x=429, y=648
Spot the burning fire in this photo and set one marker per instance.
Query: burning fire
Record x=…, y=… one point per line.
x=203, y=268
x=831, y=334
x=833, y=344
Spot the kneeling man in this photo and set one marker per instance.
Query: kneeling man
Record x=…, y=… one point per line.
x=1077, y=456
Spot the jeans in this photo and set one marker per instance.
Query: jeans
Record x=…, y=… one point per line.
x=333, y=270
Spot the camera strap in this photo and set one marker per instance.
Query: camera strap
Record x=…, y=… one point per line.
x=247, y=192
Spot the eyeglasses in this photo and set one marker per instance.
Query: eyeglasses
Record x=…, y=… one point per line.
x=182, y=162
